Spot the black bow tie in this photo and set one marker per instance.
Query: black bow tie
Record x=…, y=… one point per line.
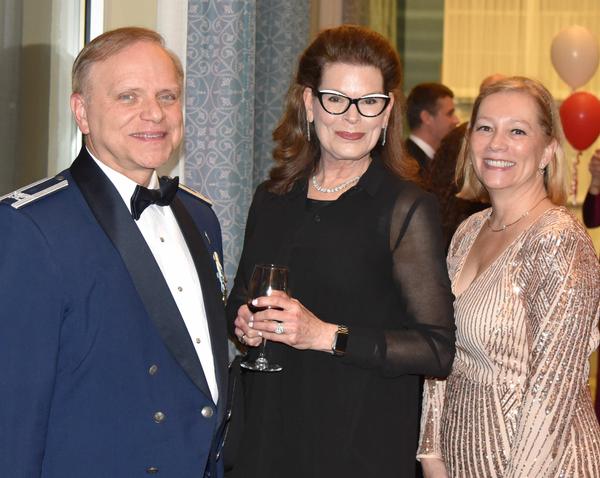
x=143, y=197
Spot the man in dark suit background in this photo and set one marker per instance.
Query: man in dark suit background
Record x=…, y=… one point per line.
x=113, y=337
x=431, y=115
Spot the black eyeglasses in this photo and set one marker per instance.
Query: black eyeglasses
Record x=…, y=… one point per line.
x=336, y=103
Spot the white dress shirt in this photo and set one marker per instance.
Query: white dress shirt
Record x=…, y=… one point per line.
x=427, y=149
x=164, y=238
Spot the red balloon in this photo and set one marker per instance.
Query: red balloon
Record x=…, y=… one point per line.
x=580, y=117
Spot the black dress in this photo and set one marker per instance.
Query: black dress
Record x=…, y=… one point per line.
x=373, y=259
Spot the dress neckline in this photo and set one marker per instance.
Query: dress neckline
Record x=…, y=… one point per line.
x=492, y=264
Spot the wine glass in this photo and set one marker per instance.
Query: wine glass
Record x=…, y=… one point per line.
x=265, y=279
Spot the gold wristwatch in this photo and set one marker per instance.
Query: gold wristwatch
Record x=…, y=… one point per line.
x=340, y=341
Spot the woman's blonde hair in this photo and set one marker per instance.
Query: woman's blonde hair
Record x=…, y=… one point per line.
x=555, y=173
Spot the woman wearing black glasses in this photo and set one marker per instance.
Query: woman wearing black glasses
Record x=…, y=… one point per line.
x=371, y=307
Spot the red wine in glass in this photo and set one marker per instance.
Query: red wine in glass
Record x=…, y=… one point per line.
x=265, y=279
x=254, y=309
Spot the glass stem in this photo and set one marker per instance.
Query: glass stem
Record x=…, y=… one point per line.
x=261, y=354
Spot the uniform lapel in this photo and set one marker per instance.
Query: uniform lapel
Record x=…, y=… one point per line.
x=114, y=218
x=211, y=293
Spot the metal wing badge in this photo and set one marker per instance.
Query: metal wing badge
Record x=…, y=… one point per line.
x=221, y=276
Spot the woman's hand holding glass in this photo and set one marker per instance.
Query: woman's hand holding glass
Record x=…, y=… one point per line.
x=243, y=328
x=286, y=321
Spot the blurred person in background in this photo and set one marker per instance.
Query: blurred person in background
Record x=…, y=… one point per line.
x=431, y=115
x=591, y=204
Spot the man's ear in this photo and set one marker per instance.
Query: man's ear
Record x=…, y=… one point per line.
x=307, y=96
x=78, y=107
x=426, y=117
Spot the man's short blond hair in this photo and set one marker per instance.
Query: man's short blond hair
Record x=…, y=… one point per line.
x=110, y=43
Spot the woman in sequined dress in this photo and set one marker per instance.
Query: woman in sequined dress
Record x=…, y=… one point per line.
x=527, y=286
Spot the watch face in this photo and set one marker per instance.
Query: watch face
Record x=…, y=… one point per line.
x=341, y=340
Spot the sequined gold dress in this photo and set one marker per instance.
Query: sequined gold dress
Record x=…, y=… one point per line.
x=517, y=403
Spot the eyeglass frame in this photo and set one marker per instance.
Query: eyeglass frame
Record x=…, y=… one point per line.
x=353, y=101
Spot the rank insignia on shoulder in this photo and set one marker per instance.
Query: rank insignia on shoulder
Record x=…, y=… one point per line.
x=195, y=193
x=33, y=192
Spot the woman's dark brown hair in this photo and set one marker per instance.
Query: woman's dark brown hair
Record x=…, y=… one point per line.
x=296, y=158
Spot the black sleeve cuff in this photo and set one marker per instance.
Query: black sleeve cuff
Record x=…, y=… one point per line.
x=366, y=347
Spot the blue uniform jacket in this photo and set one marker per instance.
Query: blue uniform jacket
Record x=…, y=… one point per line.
x=100, y=377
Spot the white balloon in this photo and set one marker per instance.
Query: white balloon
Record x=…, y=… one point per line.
x=575, y=55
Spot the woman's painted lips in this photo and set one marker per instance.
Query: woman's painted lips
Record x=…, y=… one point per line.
x=349, y=136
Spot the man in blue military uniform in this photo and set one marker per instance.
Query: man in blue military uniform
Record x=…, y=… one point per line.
x=112, y=330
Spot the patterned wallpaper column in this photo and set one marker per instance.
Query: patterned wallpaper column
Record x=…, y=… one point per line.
x=219, y=131
x=282, y=29
x=240, y=58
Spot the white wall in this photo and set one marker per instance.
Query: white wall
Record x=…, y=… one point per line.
x=122, y=13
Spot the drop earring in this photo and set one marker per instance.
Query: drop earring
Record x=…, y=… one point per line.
x=307, y=130
x=383, y=135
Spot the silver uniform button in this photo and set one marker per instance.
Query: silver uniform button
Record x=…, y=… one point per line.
x=151, y=470
x=207, y=412
x=159, y=417
x=153, y=369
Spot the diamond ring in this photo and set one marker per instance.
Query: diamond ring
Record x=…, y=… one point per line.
x=279, y=329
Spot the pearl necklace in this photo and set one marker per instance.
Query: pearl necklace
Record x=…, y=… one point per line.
x=504, y=226
x=335, y=189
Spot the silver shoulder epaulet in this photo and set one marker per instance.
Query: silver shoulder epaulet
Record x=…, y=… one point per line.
x=195, y=193
x=32, y=192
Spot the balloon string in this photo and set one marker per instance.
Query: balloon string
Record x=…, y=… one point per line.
x=574, y=179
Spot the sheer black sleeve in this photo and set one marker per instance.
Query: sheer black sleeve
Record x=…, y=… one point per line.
x=424, y=342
